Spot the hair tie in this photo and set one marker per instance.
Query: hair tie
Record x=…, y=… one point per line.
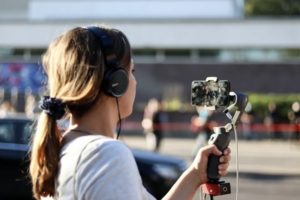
x=55, y=108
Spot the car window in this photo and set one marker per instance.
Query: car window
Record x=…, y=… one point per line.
x=26, y=130
x=7, y=133
x=15, y=131
x=22, y=131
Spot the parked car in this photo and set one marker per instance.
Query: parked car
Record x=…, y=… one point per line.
x=158, y=172
x=14, y=137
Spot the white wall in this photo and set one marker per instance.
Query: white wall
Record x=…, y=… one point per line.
x=179, y=34
x=131, y=9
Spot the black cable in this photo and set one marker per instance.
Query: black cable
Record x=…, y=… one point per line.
x=211, y=197
x=120, y=120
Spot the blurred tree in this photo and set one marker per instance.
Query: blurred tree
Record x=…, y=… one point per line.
x=272, y=7
x=260, y=103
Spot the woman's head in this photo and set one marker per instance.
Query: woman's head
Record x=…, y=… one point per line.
x=75, y=65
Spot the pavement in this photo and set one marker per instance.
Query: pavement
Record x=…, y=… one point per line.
x=262, y=157
x=268, y=170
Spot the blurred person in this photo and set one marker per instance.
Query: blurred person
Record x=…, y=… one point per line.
x=87, y=161
x=294, y=118
x=273, y=120
x=2, y=92
x=153, y=123
x=160, y=119
x=7, y=109
x=147, y=122
x=247, y=121
x=30, y=105
x=202, y=125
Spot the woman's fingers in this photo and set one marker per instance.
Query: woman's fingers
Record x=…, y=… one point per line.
x=227, y=151
x=224, y=162
x=225, y=159
x=223, y=169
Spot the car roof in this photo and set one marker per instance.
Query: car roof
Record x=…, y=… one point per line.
x=16, y=117
x=155, y=157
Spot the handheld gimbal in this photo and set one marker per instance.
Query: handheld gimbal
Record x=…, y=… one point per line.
x=221, y=138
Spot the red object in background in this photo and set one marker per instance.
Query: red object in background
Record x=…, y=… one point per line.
x=15, y=67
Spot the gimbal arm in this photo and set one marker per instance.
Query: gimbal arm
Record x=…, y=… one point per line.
x=239, y=104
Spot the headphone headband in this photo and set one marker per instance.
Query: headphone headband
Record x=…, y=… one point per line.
x=106, y=45
x=115, y=81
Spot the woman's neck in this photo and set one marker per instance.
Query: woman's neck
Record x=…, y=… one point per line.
x=101, y=119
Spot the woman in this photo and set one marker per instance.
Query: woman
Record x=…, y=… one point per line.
x=91, y=81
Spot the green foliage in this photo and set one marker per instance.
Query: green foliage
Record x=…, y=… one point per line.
x=272, y=7
x=260, y=102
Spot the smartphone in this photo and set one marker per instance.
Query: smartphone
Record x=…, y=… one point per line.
x=210, y=92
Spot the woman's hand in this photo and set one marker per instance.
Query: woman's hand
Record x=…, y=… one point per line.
x=199, y=165
x=189, y=182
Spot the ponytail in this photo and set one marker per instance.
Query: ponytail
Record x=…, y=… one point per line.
x=45, y=149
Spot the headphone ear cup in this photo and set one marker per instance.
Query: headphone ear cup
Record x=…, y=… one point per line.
x=115, y=82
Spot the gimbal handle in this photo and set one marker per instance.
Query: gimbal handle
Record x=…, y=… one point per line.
x=221, y=135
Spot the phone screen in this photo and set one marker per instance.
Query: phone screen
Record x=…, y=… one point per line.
x=210, y=93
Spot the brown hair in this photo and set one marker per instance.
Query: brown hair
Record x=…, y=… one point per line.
x=75, y=67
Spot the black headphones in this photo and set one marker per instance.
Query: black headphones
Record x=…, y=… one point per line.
x=115, y=80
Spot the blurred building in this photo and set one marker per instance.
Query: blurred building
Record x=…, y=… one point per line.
x=191, y=29
x=212, y=37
